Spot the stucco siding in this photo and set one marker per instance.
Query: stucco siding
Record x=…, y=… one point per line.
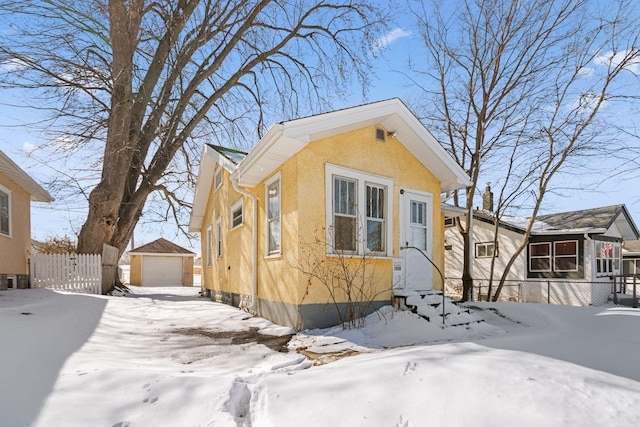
x=232, y=271
x=360, y=151
x=135, y=278
x=15, y=249
x=284, y=293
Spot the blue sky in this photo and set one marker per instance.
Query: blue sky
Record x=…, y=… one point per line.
x=64, y=217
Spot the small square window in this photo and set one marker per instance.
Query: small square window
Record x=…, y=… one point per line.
x=380, y=135
x=486, y=250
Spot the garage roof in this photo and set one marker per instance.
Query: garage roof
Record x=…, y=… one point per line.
x=161, y=247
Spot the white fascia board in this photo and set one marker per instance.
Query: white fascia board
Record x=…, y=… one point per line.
x=283, y=140
x=452, y=211
x=12, y=171
x=161, y=254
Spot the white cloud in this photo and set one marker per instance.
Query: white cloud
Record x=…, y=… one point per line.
x=65, y=143
x=12, y=64
x=586, y=71
x=28, y=147
x=615, y=59
x=390, y=37
x=587, y=102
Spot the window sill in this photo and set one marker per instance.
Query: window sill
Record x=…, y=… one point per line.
x=354, y=255
x=273, y=256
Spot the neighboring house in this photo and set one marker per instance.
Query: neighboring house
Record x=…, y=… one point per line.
x=366, y=180
x=17, y=191
x=631, y=257
x=161, y=263
x=570, y=257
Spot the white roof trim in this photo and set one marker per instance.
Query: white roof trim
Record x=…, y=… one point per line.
x=452, y=211
x=208, y=161
x=20, y=177
x=162, y=254
x=284, y=140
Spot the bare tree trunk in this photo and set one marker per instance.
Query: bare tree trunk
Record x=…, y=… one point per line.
x=105, y=199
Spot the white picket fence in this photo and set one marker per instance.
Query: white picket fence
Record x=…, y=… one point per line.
x=67, y=272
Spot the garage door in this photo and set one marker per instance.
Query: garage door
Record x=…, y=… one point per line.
x=162, y=271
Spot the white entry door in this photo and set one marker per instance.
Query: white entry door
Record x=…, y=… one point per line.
x=417, y=234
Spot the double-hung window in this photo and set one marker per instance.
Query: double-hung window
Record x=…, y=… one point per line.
x=217, y=178
x=274, y=215
x=218, y=238
x=376, y=222
x=209, y=246
x=358, y=211
x=344, y=213
x=607, y=257
x=540, y=256
x=5, y=211
x=237, y=214
x=565, y=256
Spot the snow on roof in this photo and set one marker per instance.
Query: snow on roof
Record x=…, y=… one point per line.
x=597, y=220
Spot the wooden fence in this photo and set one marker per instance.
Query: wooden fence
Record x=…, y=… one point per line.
x=67, y=272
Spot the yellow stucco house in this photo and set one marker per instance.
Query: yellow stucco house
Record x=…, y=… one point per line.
x=364, y=181
x=17, y=191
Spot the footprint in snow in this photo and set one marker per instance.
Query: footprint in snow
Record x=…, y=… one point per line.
x=402, y=423
x=151, y=401
x=410, y=367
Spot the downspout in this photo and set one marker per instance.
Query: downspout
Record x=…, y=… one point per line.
x=254, y=240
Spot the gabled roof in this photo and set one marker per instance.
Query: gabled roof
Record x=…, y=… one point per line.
x=631, y=247
x=234, y=156
x=161, y=246
x=20, y=177
x=613, y=221
x=211, y=155
x=285, y=139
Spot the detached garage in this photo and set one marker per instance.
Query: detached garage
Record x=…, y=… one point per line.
x=161, y=263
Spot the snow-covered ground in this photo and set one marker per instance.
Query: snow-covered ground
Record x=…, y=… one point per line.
x=164, y=357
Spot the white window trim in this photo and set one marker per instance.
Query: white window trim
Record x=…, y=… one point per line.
x=616, y=252
x=216, y=171
x=486, y=245
x=9, y=197
x=577, y=256
x=362, y=179
x=209, y=244
x=275, y=178
x=234, y=208
x=550, y=256
x=218, y=239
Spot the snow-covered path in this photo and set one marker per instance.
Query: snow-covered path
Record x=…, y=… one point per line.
x=164, y=357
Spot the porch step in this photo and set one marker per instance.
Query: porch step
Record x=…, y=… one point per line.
x=428, y=305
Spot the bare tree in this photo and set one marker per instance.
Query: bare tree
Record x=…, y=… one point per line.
x=144, y=82
x=534, y=75
x=348, y=279
x=55, y=245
